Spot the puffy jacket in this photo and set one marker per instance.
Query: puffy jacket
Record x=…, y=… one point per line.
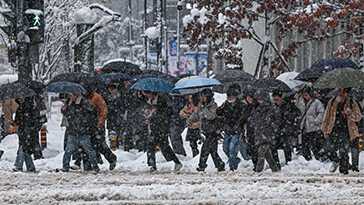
x=116, y=111
x=160, y=122
x=312, y=120
x=266, y=121
x=290, y=113
x=204, y=113
x=98, y=101
x=234, y=115
x=81, y=116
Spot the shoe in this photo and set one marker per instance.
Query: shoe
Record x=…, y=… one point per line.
x=177, y=167
x=334, y=167
x=112, y=165
x=354, y=169
x=200, y=169
x=152, y=169
x=17, y=170
x=32, y=171
x=221, y=169
x=75, y=167
x=195, y=152
x=1, y=153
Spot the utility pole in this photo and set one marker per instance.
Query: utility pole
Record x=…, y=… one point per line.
x=131, y=42
x=179, y=8
x=145, y=37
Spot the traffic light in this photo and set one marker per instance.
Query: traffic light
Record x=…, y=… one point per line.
x=35, y=17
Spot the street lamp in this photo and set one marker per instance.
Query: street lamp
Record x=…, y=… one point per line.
x=179, y=8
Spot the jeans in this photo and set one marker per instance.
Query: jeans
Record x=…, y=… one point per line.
x=231, y=148
x=21, y=157
x=176, y=140
x=73, y=143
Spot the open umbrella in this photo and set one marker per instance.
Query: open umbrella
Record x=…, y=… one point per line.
x=154, y=85
x=85, y=79
x=230, y=77
x=14, y=91
x=119, y=66
x=323, y=66
x=65, y=87
x=340, y=78
x=355, y=93
x=36, y=86
x=270, y=85
x=164, y=76
x=288, y=78
x=197, y=83
x=113, y=78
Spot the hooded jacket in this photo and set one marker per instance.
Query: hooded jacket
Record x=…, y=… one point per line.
x=207, y=112
x=312, y=120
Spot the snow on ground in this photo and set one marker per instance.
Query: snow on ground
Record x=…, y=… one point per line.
x=300, y=182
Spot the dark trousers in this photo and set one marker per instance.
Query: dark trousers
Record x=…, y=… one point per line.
x=283, y=142
x=193, y=135
x=176, y=139
x=209, y=146
x=264, y=153
x=161, y=140
x=252, y=148
x=128, y=136
x=354, y=147
x=314, y=141
x=339, y=142
x=38, y=149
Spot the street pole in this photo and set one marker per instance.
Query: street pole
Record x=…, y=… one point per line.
x=179, y=8
x=197, y=61
x=131, y=43
x=145, y=37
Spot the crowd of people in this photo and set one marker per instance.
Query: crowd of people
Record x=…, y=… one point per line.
x=255, y=123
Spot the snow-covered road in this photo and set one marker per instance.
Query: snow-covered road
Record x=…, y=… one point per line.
x=186, y=188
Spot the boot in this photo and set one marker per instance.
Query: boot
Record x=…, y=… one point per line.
x=334, y=167
x=195, y=152
x=177, y=167
x=200, y=169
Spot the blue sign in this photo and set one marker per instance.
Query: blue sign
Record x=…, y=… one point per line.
x=173, y=48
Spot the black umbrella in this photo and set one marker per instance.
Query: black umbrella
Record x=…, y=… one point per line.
x=84, y=79
x=64, y=87
x=121, y=67
x=340, y=78
x=113, y=78
x=36, y=86
x=14, y=91
x=163, y=76
x=323, y=66
x=230, y=77
x=270, y=85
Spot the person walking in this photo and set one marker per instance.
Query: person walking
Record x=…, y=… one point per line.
x=157, y=117
x=26, y=117
x=178, y=125
x=339, y=126
x=82, y=122
x=312, y=114
x=266, y=121
x=193, y=133
x=210, y=125
x=232, y=110
x=287, y=128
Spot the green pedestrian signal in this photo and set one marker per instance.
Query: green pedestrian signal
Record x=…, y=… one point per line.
x=36, y=20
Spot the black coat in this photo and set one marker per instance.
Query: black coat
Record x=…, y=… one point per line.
x=82, y=118
x=27, y=117
x=289, y=113
x=266, y=123
x=160, y=122
x=234, y=117
x=179, y=103
x=117, y=109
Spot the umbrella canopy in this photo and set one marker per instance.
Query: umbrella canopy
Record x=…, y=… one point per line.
x=154, y=84
x=197, y=83
x=288, y=78
x=119, y=66
x=85, y=79
x=113, y=78
x=65, y=87
x=355, y=93
x=230, y=77
x=270, y=85
x=323, y=66
x=36, y=86
x=166, y=77
x=340, y=78
x=14, y=91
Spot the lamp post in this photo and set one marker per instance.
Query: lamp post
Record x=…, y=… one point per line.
x=179, y=8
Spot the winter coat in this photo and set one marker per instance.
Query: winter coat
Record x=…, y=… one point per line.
x=160, y=121
x=27, y=118
x=266, y=121
x=81, y=116
x=330, y=116
x=9, y=108
x=178, y=104
x=290, y=113
x=116, y=111
x=234, y=115
x=186, y=113
x=312, y=120
x=204, y=113
x=98, y=101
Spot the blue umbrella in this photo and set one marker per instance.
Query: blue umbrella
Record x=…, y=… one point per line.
x=197, y=83
x=154, y=84
x=64, y=87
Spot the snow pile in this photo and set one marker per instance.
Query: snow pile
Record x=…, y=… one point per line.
x=85, y=16
x=8, y=78
x=152, y=32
